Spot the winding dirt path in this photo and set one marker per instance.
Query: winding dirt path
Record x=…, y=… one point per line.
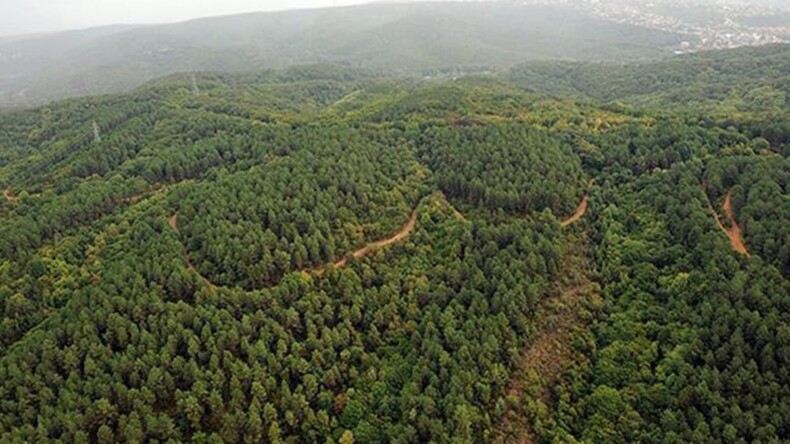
x=579, y=213
x=733, y=232
x=400, y=235
x=581, y=210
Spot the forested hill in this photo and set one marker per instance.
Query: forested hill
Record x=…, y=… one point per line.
x=416, y=38
x=731, y=81
x=324, y=254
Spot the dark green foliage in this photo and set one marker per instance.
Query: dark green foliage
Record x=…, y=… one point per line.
x=694, y=345
x=109, y=335
x=396, y=345
x=746, y=79
x=760, y=186
x=309, y=205
x=115, y=327
x=485, y=166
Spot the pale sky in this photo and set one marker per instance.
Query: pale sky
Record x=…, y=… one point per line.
x=34, y=16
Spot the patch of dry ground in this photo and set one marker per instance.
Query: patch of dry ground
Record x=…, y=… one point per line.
x=543, y=362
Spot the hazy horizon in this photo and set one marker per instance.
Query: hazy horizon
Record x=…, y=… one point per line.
x=29, y=17
x=25, y=17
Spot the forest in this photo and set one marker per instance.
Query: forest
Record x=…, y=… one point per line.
x=326, y=254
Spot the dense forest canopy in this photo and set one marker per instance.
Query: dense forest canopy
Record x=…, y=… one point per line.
x=326, y=254
x=740, y=81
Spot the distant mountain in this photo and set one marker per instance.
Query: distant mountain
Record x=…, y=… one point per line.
x=22, y=56
x=411, y=38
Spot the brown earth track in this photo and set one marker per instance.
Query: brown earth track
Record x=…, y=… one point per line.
x=733, y=232
x=458, y=215
x=400, y=235
x=173, y=222
x=581, y=210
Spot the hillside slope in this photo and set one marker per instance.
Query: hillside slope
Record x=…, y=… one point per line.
x=232, y=259
x=409, y=38
x=704, y=79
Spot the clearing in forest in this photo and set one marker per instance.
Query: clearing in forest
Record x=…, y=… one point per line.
x=173, y=222
x=551, y=352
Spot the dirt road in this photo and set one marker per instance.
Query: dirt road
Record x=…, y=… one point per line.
x=402, y=234
x=581, y=210
x=579, y=213
x=733, y=232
